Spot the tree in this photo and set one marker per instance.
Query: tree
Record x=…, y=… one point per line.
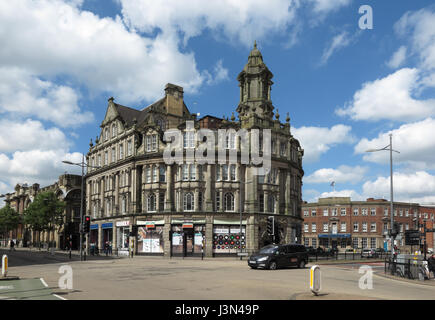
x=45, y=213
x=9, y=219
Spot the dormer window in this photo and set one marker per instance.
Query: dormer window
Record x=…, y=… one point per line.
x=151, y=143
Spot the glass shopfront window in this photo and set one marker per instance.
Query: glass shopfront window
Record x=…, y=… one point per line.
x=187, y=241
x=123, y=238
x=150, y=240
x=228, y=240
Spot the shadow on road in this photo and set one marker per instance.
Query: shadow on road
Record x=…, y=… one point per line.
x=21, y=258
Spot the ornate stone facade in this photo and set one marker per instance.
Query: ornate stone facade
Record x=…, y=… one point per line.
x=68, y=189
x=182, y=209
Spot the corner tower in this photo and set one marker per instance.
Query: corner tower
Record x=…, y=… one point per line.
x=255, y=82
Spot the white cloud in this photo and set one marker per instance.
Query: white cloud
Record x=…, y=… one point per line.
x=326, y=6
x=239, y=21
x=355, y=196
x=50, y=38
x=340, y=175
x=390, y=98
x=317, y=140
x=24, y=94
x=24, y=136
x=420, y=26
x=415, y=187
x=398, y=58
x=36, y=166
x=338, y=42
x=220, y=73
x=414, y=141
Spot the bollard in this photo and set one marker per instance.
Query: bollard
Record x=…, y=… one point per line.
x=315, y=280
x=4, y=265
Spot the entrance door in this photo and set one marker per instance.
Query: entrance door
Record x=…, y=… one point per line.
x=188, y=242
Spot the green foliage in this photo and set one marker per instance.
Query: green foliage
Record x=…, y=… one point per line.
x=45, y=213
x=9, y=219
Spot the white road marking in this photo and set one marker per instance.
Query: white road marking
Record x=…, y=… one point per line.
x=43, y=282
x=62, y=298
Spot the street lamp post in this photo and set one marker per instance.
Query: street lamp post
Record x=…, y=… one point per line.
x=390, y=148
x=82, y=165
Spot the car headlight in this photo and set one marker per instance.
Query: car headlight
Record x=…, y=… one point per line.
x=262, y=259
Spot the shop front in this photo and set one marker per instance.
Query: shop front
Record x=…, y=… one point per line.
x=187, y=238
x=228, y=240
x=107, y=229
x=122, y=232
x=150, y=239
x=335, y=240
x=93, y=237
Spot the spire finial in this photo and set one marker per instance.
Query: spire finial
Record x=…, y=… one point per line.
x=255, y=44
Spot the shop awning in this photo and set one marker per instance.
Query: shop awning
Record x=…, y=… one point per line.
x=335, y=235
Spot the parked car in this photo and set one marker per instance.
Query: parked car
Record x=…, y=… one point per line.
x=276, y=256
x=369, y=253
x=311, y=250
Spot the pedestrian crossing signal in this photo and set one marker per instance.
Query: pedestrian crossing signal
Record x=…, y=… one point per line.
x=87, y=224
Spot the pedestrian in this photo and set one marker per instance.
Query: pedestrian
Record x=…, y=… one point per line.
x=12, y=244
x=131, y=248
x=106, y=248
x=431, y=264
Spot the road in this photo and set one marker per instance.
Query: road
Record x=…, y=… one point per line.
x=209, y=279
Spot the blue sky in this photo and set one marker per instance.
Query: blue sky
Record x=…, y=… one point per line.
x=345, y=88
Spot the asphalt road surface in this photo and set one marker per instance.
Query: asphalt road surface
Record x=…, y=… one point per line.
x=160, y=278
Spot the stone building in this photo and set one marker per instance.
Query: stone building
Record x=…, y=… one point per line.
x=133, y=194
x=68, y=189
x=341, y=223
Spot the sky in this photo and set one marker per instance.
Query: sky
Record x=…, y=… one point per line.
x=346, y=84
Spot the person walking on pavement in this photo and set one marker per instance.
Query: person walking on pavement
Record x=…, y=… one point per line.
x=12, y=244
x=131, y=248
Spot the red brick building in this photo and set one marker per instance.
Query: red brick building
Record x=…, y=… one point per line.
x=342, y=223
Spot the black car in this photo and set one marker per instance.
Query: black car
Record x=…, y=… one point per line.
x=276, y=256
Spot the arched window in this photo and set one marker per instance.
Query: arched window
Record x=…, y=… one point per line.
x=151, y=202
x=271, y=203
x=229, y=201
x=188, y=201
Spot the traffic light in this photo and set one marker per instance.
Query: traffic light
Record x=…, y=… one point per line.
x=87, y=224
x=271, y=225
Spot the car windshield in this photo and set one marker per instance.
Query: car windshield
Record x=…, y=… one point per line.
x=268, y=250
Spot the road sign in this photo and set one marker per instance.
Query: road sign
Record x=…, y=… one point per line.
x=412, y=237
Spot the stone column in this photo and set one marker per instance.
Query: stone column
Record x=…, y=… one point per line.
x=166, y=236
x=100, y=237
x=117, y=194
x=133, y=185
x=208, y=250
x=157, y=195
x=115, y=238
x=251, y=191
x=208, y=191
x=287, y=193
x=196, y=200
x=252, y=237
x=169, y=187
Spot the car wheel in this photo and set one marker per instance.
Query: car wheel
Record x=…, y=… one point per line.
x=272, y=265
